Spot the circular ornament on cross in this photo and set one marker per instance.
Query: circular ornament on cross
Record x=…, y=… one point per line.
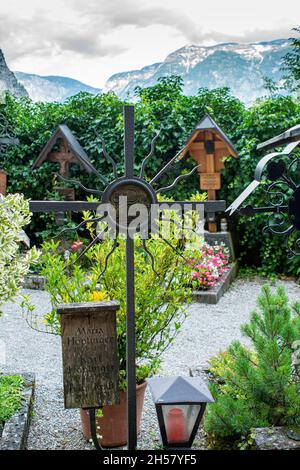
x=124, y=193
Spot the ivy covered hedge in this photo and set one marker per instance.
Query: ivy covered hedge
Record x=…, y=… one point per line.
x=162, y=106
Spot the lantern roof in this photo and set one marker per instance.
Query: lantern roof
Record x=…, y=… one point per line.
x=166, y=390
x=290, y=135
x=63, y=132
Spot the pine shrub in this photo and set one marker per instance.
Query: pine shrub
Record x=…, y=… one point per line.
x=260, y=386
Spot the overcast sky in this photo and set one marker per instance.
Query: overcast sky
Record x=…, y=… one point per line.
x=91, y=39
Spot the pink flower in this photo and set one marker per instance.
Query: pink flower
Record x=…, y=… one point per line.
x=209, y=266
x=76, y=245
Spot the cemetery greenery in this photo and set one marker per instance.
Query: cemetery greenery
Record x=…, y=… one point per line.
x=258, y=386
x=14, y=264
x=210, y=264
x=161, y=106
x=10, y=396
x=14, y=216
x=160, y=296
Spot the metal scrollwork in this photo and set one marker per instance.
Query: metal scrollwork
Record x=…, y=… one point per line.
x=281, y=174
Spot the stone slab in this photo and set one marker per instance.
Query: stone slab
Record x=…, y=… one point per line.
x=34, y=282
x=221, y=237
x=275, y=438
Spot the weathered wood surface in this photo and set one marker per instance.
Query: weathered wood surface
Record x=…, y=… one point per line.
x=89, y=348
x=210, y=181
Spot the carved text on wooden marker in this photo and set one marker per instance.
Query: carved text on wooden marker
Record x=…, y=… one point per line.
x=90, y=360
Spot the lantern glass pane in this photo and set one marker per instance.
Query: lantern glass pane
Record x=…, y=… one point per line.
x=180, y=421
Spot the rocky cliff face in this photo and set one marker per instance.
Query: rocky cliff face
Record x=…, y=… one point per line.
x=241, y=67
x=8, y=81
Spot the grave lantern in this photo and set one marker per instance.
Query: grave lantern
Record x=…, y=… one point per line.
x=180, y=403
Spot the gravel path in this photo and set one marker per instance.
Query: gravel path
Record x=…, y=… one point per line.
x=207, y=330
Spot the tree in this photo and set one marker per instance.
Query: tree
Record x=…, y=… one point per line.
x=258, y=387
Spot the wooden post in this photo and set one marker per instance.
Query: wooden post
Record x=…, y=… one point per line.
x=3, y=182
x=90, y=359
x=210, y=168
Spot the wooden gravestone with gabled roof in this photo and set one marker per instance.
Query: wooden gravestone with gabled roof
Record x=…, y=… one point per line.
x=68, y=151
x=64, y=148
x=208, y=145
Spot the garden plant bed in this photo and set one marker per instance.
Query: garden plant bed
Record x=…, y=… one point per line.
x=14, y=433
x=53, y=427
x=213, y=295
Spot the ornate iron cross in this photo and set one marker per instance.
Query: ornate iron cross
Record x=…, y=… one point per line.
x=279, y=172
x=135, y=188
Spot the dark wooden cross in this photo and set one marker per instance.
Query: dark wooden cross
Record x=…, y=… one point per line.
x=64, y=157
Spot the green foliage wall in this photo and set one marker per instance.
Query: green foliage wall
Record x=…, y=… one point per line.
x=162, y=106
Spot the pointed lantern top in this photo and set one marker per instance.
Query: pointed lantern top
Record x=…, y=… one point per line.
x=166, y=390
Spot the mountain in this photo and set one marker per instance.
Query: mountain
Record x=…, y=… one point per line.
x=241, y=67
x=52, y=88
x=8, y=81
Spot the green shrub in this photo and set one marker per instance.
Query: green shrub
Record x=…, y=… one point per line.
x=160, y=296
x=10, y=395
x=14, y=265
x=258, y=387
x=161, y=106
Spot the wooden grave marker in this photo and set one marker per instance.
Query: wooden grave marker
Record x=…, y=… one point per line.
x=208, y=145
x=89, y=349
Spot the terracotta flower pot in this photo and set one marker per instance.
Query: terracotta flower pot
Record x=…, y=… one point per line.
x=113, y=424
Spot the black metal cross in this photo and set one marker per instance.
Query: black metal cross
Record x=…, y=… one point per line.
x=129, y=184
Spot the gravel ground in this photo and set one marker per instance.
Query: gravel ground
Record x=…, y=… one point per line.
x=207, y=330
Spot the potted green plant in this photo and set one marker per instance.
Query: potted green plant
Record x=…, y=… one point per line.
x=160, y=309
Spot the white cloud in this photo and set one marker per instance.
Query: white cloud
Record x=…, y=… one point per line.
x=92, y=39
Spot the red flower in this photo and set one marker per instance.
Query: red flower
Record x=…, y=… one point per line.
x=76, y=245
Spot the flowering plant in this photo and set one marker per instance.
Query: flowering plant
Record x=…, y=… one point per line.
x=14, y=264
x=161, y=296
x=208, y=265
